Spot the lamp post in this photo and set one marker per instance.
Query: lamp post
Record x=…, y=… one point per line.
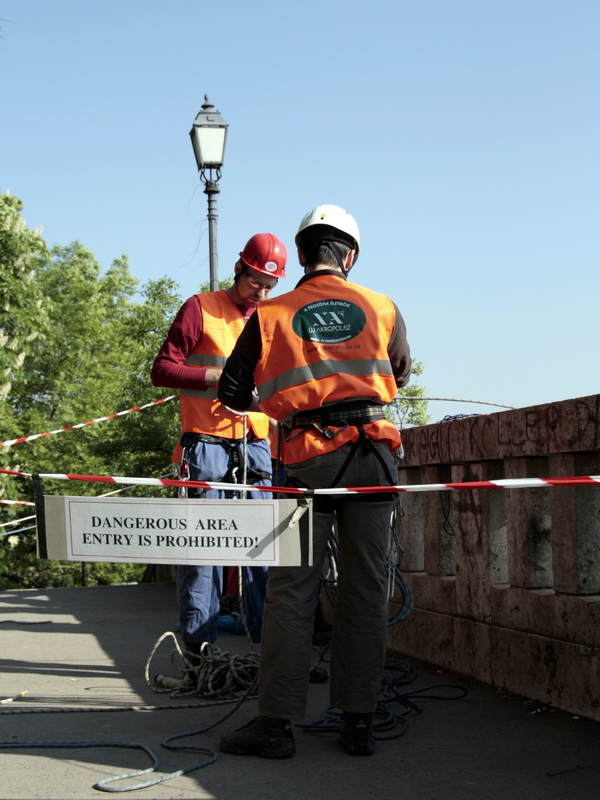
x=208, y=135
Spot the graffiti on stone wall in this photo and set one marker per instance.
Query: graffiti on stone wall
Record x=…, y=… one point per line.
x=569, y=426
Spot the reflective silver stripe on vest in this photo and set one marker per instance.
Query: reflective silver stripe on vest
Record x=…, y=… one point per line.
x=200, y=360
x=322, y=369
x=207, y=394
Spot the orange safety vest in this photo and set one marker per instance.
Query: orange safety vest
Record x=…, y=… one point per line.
x=201, y=412
x=324, y=343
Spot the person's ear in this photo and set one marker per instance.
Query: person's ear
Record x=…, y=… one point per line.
x=301, y=257
x=349, y=260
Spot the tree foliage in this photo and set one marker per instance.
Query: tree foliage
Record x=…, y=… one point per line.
x=225, y=284
x=23, y=316
x=84, y=342
x=405, y=412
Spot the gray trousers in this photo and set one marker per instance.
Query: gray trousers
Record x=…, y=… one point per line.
x=360, y=616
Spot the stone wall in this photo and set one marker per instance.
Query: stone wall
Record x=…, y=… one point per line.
x=507, y=582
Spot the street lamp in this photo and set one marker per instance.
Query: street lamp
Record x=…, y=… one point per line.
x=208, y=135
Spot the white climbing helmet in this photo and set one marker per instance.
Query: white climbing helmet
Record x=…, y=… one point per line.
x=336, y=218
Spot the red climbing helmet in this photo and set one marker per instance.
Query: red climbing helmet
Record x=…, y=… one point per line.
x=265, y=253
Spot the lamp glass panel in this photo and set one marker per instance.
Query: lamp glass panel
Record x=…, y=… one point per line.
x=211, y=143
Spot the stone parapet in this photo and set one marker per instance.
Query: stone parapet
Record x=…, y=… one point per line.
x=571, y=426
x=507, y=582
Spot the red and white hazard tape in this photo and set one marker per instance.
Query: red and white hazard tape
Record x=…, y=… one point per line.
x=505, y=483
x=83, y=424
x=16, y=502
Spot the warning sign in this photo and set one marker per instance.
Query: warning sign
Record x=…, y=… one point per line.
x=176, y=531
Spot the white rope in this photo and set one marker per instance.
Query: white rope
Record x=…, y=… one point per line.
x=453, y=400
x=17, y=521
x=212, y=674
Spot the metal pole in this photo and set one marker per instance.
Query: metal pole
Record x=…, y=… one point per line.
x=212, y=190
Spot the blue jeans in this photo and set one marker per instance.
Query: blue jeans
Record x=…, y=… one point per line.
x=199, y=588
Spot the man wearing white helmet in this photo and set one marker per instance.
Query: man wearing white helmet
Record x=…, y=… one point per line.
x=191, y=359
x=325, y=358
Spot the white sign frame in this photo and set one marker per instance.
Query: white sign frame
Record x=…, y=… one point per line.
x=143, y=530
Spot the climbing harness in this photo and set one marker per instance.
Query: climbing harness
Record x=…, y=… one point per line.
x=238, y=449
x=339, y=416
x=352, y=414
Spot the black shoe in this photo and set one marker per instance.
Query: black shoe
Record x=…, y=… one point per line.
x=266, y=737
x=357, y=734
x=318, y=675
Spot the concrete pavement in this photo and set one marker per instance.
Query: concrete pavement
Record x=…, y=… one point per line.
x=86, y=651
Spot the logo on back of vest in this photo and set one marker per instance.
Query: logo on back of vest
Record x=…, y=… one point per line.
x=329, y=321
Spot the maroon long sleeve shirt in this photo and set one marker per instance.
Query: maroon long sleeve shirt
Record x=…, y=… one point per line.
x=169, y=368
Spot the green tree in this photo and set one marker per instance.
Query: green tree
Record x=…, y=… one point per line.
x=404, y=412
x=222, y=284
x=95, y=359
x=22, y=312
x=92, y=356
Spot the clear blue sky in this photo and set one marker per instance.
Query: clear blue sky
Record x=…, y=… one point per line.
x=463, y=135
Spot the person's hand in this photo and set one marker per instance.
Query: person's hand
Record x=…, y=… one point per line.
x=212, y=375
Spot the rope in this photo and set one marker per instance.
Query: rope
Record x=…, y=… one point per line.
x=221, y=677
x=387, y=723
x=453, y=400
x=143, y=708
x=244, y=415
x=103, y=784
x=19, y=530
x=22, y=439
x=211, y=674
x=96, y=743
x=18, y=521
x=445, y=501
x=245, y=458
x=395, y=578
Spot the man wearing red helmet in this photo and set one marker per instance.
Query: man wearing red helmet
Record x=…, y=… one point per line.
x=191, y=359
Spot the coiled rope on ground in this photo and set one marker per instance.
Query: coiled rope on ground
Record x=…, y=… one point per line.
x=213, y=674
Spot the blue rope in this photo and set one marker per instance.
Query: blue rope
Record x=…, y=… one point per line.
x=102, y=785
x=166, y=743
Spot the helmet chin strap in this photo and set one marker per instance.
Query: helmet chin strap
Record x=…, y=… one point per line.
x=333, y=247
